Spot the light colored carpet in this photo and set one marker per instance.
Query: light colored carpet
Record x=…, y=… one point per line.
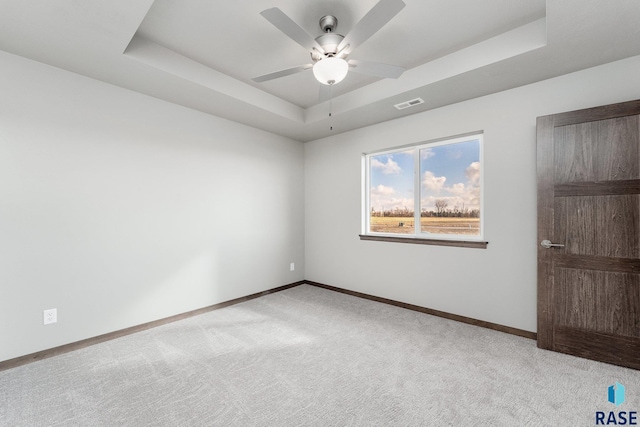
x=312, y=357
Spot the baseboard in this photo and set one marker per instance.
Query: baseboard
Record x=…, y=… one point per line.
x=463, y=319
x=66, y=348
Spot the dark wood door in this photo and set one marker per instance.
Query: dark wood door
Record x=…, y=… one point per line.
x=589, y=201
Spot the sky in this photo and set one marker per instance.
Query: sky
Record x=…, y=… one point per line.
x=450, y=172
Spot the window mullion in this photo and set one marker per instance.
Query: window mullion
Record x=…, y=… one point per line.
x=366, y=199
x=416, y=191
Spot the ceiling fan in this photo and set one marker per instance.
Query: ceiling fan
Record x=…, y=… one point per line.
x=329, y=51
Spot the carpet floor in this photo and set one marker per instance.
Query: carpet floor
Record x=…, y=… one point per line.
x=308, y=356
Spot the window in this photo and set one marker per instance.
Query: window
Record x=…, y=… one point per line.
x=431, y=192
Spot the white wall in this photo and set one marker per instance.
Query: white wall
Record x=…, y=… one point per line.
x=497, y=284
x=119, y=209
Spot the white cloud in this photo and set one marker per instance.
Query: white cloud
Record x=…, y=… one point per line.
x=432, y=182
x=458, y=189
x=382, y=190
x=384, y=198
x=459, y=195
x=473, y=173
x=427, y=153
x=388, y=168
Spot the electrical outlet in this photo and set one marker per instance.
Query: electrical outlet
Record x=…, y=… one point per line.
x=50, y=316
x=292, y=266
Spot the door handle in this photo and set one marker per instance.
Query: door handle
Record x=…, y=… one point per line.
x=547, y=244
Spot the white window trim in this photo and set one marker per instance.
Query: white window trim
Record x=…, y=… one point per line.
x=418, y=235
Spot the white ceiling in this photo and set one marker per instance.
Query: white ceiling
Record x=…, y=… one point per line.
x=202, y=54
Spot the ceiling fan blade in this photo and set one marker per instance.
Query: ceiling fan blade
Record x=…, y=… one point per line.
x=375, y=19
x=290, y=28
x=376, y=69
x=282, y=73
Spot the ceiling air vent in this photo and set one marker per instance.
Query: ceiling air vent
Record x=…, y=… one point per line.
x=408, y=104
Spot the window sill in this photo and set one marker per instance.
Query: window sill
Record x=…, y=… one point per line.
x=436, y=242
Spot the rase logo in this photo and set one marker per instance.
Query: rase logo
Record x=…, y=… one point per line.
x=615, y=395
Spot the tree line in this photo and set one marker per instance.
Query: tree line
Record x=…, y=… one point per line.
x=442, y=210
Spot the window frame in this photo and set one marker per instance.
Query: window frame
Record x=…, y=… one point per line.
x=419, y=237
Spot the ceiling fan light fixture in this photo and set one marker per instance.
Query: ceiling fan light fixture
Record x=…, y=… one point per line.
x=330, y=70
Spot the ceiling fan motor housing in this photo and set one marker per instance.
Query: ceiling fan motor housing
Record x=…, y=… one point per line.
x=328, y=40
x=329, y=43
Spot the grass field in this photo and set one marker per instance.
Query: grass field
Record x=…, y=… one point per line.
x=399, y=225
